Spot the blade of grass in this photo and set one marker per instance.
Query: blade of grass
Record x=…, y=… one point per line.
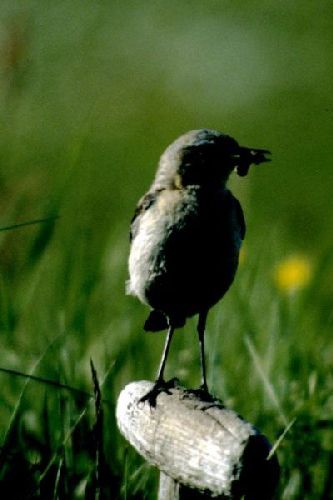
x=18, y=402
x=54, y=383
x=98, y=435
x=57, y=480
x=267, y=384
x=281, y=438
x=46, y=381
x=29, y=223
x=71, y=430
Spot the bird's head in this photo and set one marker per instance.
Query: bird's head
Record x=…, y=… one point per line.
x=206, y=157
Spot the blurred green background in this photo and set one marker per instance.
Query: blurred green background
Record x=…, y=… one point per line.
x=90, y=95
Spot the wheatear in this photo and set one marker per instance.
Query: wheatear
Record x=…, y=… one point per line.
x=186, y=234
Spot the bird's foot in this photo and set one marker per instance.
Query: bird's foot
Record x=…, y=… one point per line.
x=159, y=386
x=202, y=393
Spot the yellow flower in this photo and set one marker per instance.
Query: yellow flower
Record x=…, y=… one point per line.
x=293, y=273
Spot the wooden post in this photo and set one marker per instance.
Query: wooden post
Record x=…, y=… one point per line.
x=168, y=488
x=197, y=444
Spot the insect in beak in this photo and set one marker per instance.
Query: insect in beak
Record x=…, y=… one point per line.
x=248, y=156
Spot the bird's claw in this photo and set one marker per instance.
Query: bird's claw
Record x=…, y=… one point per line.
x=201, y=393
x=159, y=387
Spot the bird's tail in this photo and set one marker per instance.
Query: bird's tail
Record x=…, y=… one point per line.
x=156, y=321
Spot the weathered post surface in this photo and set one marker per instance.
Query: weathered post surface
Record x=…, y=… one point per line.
x=200, y=447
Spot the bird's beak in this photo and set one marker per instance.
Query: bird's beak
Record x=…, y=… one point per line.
x=248, y=156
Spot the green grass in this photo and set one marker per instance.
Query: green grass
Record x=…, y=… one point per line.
x=90, y=94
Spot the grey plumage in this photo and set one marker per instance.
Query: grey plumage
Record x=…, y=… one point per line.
x=187, y=229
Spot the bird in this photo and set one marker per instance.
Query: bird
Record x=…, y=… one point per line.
x=186, y=234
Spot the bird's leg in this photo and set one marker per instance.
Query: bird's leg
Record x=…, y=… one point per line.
x=201, y=333
x=165, y=353
x=160, y=385
x=202, y=393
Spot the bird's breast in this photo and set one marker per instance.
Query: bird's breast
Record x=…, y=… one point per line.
x=186, y=241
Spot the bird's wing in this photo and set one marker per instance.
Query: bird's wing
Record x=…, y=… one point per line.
x=240, y=218
x=144, y=204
